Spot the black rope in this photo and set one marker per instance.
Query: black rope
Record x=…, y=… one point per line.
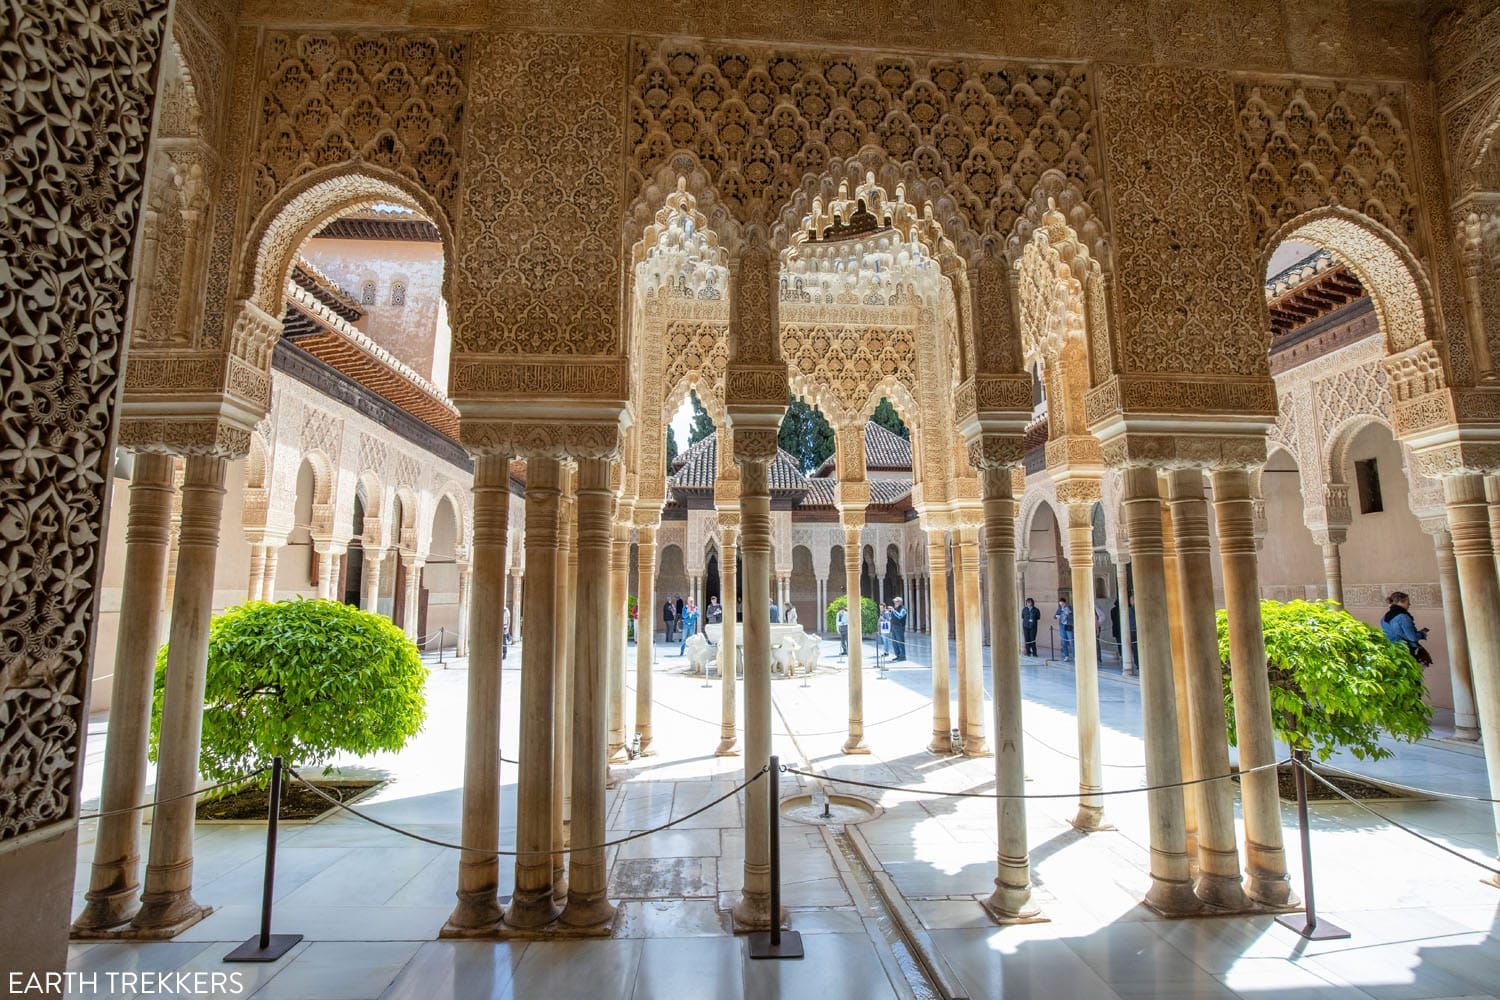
x=570, y=849
x=176, y=798
x=1424, y=792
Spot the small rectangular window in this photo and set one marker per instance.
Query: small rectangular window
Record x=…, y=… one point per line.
x=1367, y=481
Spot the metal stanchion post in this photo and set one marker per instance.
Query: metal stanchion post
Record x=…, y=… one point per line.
x=442, y=637
x=267, y=947
x=774, y=943
x=1307, y=924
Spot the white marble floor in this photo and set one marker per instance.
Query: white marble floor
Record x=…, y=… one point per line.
x=370, y=902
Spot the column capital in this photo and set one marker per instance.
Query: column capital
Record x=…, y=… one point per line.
x=556, y=439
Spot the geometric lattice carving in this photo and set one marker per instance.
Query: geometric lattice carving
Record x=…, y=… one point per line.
x=847, y=363
x=67, y=228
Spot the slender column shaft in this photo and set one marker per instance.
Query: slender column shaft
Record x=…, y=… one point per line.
x=257, y=582
x=167, y=905
x=942, y=702
x=479, y=872
x=1012, y=896
x=588, y=902
x=1474, y=552
x=1265, y=857
x=1185, y=757
x=563, y=626
x=113, y=882
x=619, y=596
x=644, y=647
x=268, y=589
x=515, y=604
x=754, y=907
x=1086, y=667
x=370, y=599
x=1127, y=654
x=960, y=629
x=852, y=553
x=1333, y=572
x=971, y=681
x=728, y=651
x=327, y=568
x=1465, y=719
x=1171, y=889
x=465, y=585
x=532, y=905
x=1218, y=853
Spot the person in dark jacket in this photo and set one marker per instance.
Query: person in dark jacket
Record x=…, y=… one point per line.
x=1064, y=616
x=668, y=619
x=898, y=629
x=1399, y=626
x=1031, y=617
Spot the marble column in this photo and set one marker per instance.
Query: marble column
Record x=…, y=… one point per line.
x=1479, y=588
x=1218, y=853
x=853, y=550
x=413, y=612
x=1185, y=754
x=478, y=906
x=619, y=600
x=1171, y=891
x=532, y=904
x=328, y=564
x=167, y=904
x=268, y=588
x=1080, y=517
x=1333, y=570
x=257, y=581
x=1465, y=720
x=588, y=900
x=465, y=575
x=822, y=620
x=113, y=881
x=754, y=451
x=644, y=647
x=970, y=681
x=516, y=577
x=563, y=627
x=1011, y=899
x=942, y=701
x=728, y=652
x=370, y=584
x=1127, y=654
x=1265, y=858
x=960, y=648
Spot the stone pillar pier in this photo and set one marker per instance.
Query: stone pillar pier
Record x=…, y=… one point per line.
x=644, y=647
x=942, y=702
x=728, y=653
x=854, y=522
x=562, y=628
x=971, y=657
x=532, y=905
x=516, y=577
x=1171, y=891
x=1465, y=718
x=960, y=648
x=113, y=881
x=167, y=905
x=1265, y=857
x=754, y=452
x=1011, y=899
x=1333, y=569
x=465, y=578
x=1479, y=587
x=413, y=612
x=328, y=564
x=619, y=599
x=1080, y=518
x=1127, y=655
x=1218, y=852
x=257, y=582
x=1185, y=755
x=478, y=906
x=588, y=901
x=370, y=585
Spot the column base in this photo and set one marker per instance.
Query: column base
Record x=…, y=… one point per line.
x=855, y=745
x=1469, y=734
x=1011, y=904
x=591, y=912
x=617, y=753
x=726, y=749
x=165, y=916
x=105, y=911
x=476, y=910
x=1090, y=819
x=1273, y=890
x=977, y=748
x=531, y=908
x=1220, y=891
x=942, y=744
x=752, y=912
x=1173, y=899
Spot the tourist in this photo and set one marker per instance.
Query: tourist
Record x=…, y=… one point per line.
x=677, y=623
x=775, y=611
x=841, y=622
x=1399, y=626
x=898, y=630
x=1064, y=617
x=668, y=618
x=1031, y=617
x=789, y=614
x=1135, y=648
x=688, y=623
x=712, y=615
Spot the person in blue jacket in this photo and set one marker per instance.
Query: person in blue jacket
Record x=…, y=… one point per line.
x=1399, y=626
x=688, y=622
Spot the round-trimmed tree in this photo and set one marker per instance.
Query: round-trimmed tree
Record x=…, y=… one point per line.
x=869, y=614
x=305, y=680
x=1336, y=682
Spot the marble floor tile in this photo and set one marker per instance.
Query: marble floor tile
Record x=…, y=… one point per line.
x=457, y=969
x=340, y=970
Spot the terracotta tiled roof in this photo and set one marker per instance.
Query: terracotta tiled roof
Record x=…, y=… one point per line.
x=820, y=492
x=885, y=451
x=889, y=491
x=698, y=467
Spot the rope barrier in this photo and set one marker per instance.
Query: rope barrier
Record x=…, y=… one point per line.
x=1398, y=825
x=176, y=798
x=1412, y=789
x=1033, y=795
x=490, y=852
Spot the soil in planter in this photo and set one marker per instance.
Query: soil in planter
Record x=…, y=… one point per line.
x=297, y=800
x=1286, y=787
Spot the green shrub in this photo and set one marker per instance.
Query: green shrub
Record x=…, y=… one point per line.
x=869, y=614
x=303, y=679
x=1335, y=681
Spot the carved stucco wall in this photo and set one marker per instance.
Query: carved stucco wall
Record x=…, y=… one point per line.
x=68, y=235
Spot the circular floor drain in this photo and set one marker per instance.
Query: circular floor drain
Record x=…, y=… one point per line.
x=828, y=810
